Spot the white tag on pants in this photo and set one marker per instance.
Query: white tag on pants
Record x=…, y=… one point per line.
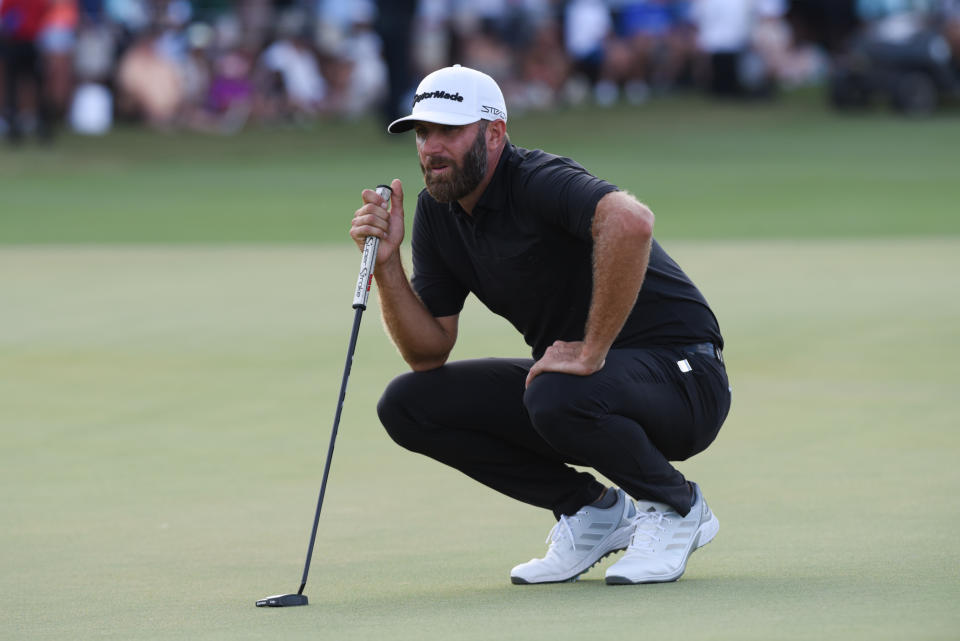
x=684, y=366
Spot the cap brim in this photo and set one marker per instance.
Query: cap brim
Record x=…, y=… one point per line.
x=437, y=117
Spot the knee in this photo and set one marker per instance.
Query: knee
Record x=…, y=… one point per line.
x=557, y=402
x=397, y=410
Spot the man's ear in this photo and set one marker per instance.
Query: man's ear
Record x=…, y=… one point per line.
x=496, y=131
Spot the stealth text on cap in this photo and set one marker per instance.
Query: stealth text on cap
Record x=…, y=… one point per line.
x=493, y=110
x=437, y=94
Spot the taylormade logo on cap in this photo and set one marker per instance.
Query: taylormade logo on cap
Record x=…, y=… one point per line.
x=437, y=94
x=454, y=96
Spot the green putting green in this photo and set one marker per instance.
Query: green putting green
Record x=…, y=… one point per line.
x=166, y=412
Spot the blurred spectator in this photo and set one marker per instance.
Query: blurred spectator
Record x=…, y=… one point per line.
x=783, y=61
x=648, y=46
x=217, y=65
x=587, y=25
x=902, y=57
x=255, y=19
x=57, y=41
x=478, y=41
x=148, y=83
x=395, y=25
x=91, y=107
x=359, y=76
x=95, y=51
x=131, y=15
x=21, y=24
x=950, y=10
x=231, y=98
x=723, y=33
x=645, y=24
x=291, y=85
x=680, y=47
x=196, y=74
x=827, y=23
x=544, y=66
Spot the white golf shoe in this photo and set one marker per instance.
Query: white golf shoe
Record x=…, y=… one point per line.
x=662, y=542
x=578, y=542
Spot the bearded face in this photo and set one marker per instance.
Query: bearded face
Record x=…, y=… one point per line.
x=463, y=176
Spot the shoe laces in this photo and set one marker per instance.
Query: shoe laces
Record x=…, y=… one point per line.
x=562, y=532
x=649, y=525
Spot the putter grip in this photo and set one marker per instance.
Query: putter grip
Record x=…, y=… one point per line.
x=367, y=262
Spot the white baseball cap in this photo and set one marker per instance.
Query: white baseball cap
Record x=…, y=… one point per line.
x=454, y=96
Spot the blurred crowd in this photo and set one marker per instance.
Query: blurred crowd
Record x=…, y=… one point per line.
x=221, y=65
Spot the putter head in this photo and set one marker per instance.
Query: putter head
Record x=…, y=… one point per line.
x=282, y=600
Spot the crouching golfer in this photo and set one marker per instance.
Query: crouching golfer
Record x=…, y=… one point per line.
x=627, y=373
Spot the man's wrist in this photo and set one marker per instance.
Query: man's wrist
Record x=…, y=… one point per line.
x=390, y=269
x=592, y=356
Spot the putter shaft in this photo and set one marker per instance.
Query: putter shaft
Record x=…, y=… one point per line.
x=364, y=281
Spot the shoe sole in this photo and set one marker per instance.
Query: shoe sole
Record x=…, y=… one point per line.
x=705, y=533
x=623, y=533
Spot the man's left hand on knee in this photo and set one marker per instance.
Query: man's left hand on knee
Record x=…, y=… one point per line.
x=567, y=358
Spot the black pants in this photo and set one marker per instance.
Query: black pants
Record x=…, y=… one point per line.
x=394, y=25
x=22, y=60
x=626, y=421
x=725, y=74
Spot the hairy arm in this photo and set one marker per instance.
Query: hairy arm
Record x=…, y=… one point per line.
x=622, y=235
x=424, y=341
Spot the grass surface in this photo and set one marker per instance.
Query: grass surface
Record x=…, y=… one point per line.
x=769, y=170
x=166, y=412
x=165, y=408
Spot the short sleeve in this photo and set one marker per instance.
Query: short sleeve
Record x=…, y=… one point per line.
x=565, y=194
x=432, y=279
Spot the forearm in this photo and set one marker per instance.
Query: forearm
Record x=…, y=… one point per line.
x=423, y=342
x=622, y=236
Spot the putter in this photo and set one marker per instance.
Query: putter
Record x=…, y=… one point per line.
x=360, y=296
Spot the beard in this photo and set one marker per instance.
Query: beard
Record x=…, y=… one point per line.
x=462, y=178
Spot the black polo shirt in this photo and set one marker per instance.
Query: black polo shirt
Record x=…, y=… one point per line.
x=526, y=253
